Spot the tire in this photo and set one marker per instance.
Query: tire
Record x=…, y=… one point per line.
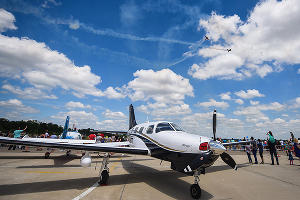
x=104, y=177
x=195, y=191
x=68, y=153
x=47, y=155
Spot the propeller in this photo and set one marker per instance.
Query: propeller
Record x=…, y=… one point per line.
x=225, y=156
x=228, y=160
x=214, y=124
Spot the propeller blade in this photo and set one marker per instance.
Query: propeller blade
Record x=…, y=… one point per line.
x=228, y=160
x=214, y=124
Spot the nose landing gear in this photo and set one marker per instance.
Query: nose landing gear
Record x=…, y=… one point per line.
x=195, y=188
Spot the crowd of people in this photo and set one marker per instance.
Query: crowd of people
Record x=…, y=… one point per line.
x=291, y=147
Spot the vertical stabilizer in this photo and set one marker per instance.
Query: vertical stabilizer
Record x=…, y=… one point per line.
x=132, y=121
x=66, y=127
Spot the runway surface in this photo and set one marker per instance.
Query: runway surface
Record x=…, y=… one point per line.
x=27, y=175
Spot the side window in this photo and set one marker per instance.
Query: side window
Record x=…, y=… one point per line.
x=141, y=130
x=136, y=129
x=150, y=129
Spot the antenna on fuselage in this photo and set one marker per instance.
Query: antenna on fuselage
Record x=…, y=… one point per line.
x=214, y=124
x=132, y=121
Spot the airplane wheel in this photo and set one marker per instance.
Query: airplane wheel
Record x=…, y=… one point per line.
x=47, y=155
x=68, y=153
x=104, y=177
x=195, y=191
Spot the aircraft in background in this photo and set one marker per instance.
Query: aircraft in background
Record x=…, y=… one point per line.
x=70, y=134
x=188, y=153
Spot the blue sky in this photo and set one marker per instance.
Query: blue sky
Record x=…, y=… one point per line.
x=91, y=59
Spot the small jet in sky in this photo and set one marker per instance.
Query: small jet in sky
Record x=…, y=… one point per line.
x=188, y=153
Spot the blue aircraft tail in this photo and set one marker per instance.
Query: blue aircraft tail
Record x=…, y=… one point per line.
x=64, y=135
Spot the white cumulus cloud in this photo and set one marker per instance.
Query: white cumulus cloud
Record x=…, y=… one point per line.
x=28, y=93
x=75, y=104
x=225, y=96
x=213, y=103
x=6, y=21
x=16, y=105
x=161, y=86
x=268, y=38
x=42, y=67
x=249, y=94
x=113, y=115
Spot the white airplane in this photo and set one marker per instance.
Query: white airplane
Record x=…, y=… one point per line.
x=188, y=153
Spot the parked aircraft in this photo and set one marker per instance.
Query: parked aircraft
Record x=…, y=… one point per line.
x=188, y=153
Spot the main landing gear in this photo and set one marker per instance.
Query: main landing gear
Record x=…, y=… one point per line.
x=104, y=170
x=68, y=153
x=195, y=188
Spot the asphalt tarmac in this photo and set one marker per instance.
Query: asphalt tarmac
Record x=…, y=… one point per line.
x=27, y=175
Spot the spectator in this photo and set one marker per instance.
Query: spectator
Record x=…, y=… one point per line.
x=261, y=151
x=291, y=157
x=254, y=149
x=248, y=150
x=46, y=134
x=92, y=136
x=272, y=148
x=296, y=147
x=17, y=134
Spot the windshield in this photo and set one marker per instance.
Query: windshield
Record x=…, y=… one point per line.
x=163, y=127
x=177, y=128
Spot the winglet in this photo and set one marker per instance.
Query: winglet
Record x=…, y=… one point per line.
x=66, y=127
x=132, y=121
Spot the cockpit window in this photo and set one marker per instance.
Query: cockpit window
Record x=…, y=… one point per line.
x=136, y=129
x=163, y=127
x=141, y=130
x=176, y=127
x=150, y=129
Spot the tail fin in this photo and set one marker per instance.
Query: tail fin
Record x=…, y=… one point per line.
x=132, y=121
x=64, y=135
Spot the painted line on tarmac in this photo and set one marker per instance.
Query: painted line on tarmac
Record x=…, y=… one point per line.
x=95, y=184
x=87, y=191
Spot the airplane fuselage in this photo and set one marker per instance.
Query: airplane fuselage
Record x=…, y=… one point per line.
x=167, y=141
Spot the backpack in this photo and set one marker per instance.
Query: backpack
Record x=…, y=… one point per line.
x=271, y=139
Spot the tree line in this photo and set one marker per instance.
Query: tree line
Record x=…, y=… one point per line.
x=34, y=127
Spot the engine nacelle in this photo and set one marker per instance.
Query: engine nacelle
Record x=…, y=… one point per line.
x=86, y=160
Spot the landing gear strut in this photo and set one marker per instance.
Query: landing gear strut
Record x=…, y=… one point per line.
x=104, y=170
x=195, y=188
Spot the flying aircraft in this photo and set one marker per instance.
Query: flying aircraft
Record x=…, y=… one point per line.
x=188, y=153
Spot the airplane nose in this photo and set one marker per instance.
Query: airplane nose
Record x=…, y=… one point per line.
x=216, y=147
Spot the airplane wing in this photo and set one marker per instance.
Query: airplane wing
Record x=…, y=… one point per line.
x=65, y=141
x=116, y=147
x=236, y=143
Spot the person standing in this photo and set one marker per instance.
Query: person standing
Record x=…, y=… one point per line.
x=17, y=134
x=254, y=149
x=46, y=134
x=291, y=157
x=261, y=151
x=272, y=147
x=248, y=150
